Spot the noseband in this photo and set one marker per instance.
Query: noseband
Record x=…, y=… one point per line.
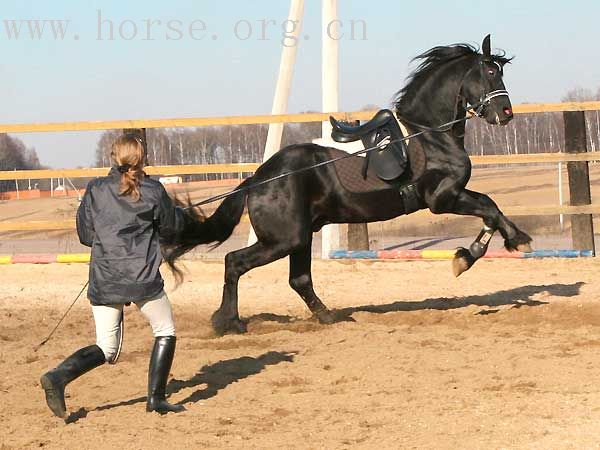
x=486, y=99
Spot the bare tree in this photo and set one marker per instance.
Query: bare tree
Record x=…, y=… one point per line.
x=14, y=155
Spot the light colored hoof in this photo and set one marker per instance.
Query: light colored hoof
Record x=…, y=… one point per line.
x=459, y=266
x=525, y=248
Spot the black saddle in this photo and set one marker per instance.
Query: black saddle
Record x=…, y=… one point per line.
x=391, y=160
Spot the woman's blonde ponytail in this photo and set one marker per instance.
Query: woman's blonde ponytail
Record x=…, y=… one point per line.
x=128, y=155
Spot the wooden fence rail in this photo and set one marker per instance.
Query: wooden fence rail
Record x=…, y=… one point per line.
x=150, y=170
x=254, y=120
x=544, y=210
x=486, y=160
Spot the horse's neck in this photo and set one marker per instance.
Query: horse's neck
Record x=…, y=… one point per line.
x=451, y=142
x=458, y=130
x=454, y=137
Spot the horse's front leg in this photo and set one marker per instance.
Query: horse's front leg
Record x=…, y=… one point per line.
x=480, y=205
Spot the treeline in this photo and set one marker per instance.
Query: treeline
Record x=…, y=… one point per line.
x=527, y=133
x=209, y=145
x=532, y=133
x=14, y=155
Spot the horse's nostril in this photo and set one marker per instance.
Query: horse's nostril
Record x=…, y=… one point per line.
x=508, y=111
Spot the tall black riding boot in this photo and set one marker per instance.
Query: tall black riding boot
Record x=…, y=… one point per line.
x=158, y=373
x=74, y=366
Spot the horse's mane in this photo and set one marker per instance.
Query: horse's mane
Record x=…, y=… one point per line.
x=436, y=57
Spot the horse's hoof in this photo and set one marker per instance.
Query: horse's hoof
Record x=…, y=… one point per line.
x=325, y=317
x=462, y=261
x=237, y=326
x=521, y=242
x=525, y=248
x=459, y=266
x=218, y=324
x=227, y=326
x=230, y=327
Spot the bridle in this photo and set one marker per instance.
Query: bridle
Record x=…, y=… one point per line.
x=477, y=109
x=486, y=98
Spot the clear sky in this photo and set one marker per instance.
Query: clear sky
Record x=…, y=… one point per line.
x=232, y=71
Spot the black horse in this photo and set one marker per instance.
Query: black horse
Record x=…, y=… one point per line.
x=285, y=213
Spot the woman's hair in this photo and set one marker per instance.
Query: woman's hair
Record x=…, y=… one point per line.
x=128, y=155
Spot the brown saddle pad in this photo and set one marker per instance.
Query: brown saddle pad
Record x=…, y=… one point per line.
x=350, y=170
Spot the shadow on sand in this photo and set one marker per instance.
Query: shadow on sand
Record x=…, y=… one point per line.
x=220, y=375
x=517, y=298
x=214, y=376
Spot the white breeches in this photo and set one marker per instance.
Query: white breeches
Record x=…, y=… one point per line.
x=108, y=320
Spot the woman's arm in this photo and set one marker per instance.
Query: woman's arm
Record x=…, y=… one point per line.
x=85, y=226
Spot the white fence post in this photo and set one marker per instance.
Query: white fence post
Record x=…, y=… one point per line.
x=284, y=85
x=331, y=61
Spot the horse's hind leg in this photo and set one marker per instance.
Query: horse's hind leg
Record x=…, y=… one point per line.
x=301, y=282
x=227, y=319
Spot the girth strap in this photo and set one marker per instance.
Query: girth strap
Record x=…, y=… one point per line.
x=410, y=198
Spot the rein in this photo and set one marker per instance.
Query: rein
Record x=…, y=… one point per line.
x=439, y=129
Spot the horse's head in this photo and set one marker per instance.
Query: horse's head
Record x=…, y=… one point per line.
x=483, y=86
x=449, y=79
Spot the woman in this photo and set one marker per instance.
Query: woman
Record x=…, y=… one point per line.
x=122, y=217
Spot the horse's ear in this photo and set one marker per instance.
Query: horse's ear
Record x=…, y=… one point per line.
x=487, y=46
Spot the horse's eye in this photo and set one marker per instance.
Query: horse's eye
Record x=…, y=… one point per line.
x=491, y=72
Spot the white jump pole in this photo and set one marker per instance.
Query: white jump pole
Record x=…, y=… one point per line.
x=561, y=200
x=331, y=63
x=284, y=85
x=17, y=187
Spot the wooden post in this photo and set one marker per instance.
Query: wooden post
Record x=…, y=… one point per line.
x=283, y=88
x=582, y=226
x=358, y=236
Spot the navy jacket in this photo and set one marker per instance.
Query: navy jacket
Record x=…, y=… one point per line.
x=124, y=236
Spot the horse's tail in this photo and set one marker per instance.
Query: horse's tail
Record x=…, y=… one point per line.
x=200, y=229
